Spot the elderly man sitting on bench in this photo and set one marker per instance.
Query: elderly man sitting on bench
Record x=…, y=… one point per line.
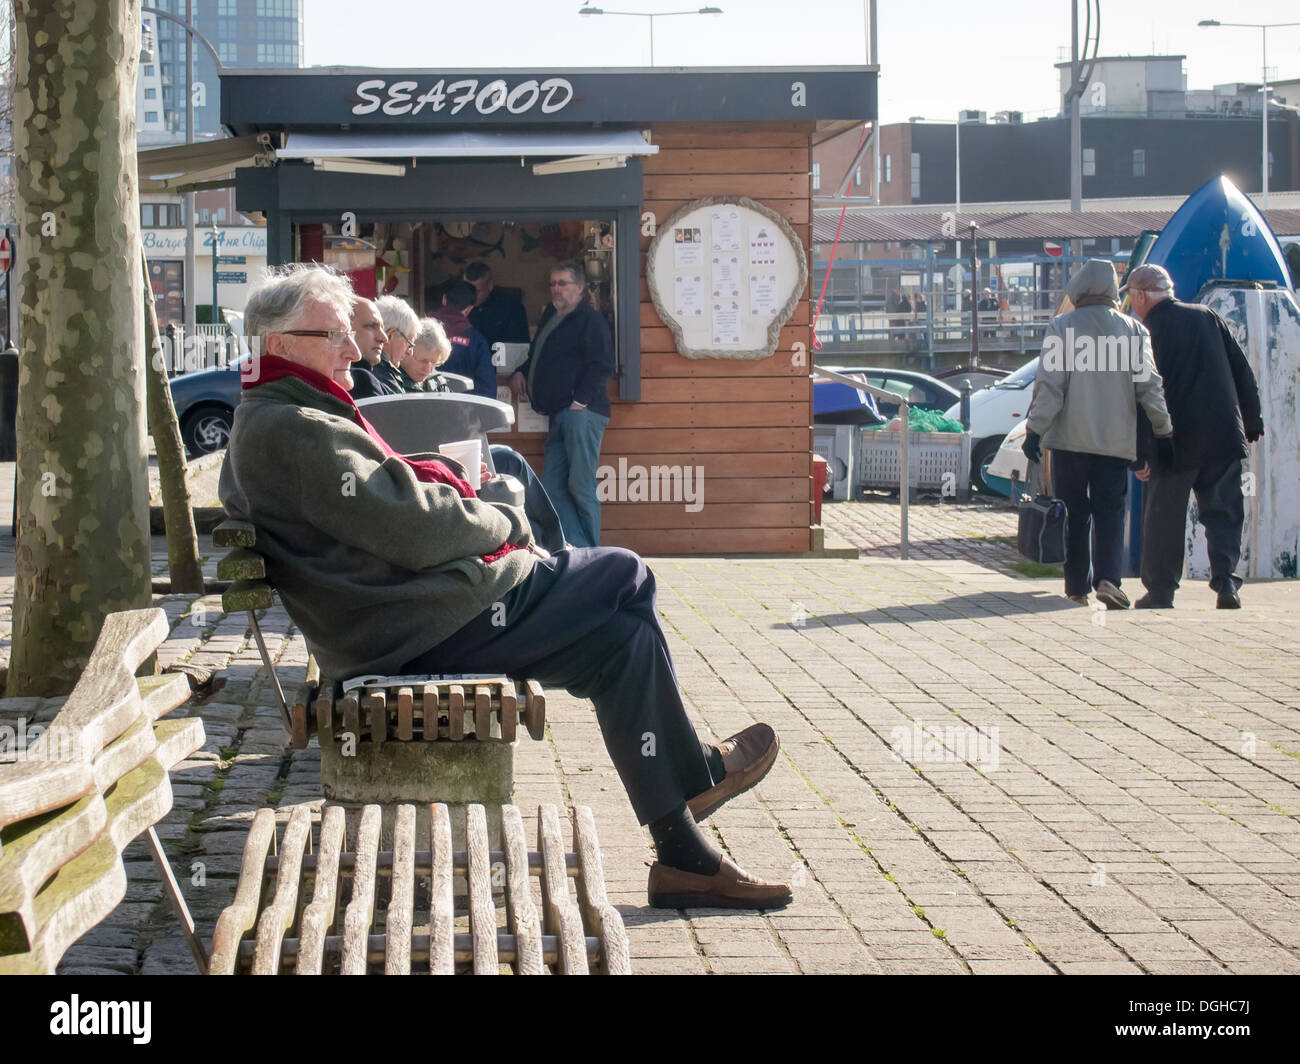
x=391, y=564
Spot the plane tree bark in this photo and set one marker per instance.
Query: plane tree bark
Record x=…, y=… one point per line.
x=82, y=548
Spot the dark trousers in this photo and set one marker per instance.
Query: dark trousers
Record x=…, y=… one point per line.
x=1220, y=508
x=1092, y=486
x=585, y=620
x=542, y=518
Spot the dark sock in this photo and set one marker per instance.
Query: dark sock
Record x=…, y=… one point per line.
x=679, y=843
x=713, y=758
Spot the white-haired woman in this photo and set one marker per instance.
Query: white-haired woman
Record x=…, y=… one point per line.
x=418, y=369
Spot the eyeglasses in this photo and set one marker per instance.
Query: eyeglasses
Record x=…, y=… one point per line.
x=410, y=344
x=563, y=284
x=336, y=337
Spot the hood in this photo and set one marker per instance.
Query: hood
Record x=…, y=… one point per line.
x=1096, y=280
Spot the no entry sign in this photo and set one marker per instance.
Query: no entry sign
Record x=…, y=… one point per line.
x=6, y=254
x=1053, y=249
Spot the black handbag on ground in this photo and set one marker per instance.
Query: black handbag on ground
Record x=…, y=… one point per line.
x=1040, y=536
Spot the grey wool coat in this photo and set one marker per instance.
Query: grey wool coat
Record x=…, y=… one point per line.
x=372, y=564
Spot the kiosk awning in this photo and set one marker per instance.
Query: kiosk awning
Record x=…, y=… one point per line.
x=203, y=165
x=572, y=150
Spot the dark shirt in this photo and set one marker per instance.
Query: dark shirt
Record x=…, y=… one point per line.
x=501, y=318
x=575, y=361
x=471, y=356
x=365, y=385
x=1210, y=389
x=389, y=376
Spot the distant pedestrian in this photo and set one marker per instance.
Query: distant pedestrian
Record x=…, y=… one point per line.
x=1094, y=370
x=1214, y=400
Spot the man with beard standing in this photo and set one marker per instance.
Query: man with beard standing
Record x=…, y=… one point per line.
x=564, y=377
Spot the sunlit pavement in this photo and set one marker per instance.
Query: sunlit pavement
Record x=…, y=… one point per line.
x=976, y=774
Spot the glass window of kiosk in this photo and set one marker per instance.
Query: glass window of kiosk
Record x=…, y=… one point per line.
x=418, y=259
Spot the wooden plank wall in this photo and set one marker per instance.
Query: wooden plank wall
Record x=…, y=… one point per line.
x=745, y=424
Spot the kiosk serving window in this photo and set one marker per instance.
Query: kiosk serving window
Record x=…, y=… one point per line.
x=417, y=259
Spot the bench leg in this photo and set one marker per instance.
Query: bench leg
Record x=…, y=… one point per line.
x=270, y=668
x=177, y=900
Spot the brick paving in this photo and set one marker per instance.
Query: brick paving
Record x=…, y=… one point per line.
x=977, y=776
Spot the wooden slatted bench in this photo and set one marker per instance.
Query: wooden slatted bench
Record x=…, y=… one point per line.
x=315, y=909
x=95, y=781
x=98, y=779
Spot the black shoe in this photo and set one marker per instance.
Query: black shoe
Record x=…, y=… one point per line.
x=1228, y=599
x=1148, y=602
x=1112, y=596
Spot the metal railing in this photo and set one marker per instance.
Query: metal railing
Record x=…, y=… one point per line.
x=904, y=431
x=1020, y=329
x=209, y=346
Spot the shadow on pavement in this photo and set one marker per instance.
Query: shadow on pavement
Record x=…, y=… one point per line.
x=980, y=604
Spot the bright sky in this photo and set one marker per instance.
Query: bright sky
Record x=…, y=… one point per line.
x=936, y=56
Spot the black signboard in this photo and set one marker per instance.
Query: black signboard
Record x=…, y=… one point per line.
x=430, y=99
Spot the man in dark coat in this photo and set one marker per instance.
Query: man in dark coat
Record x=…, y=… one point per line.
x=496, y=313
x=1213, y=400
x=564, y=377
x=470, y=354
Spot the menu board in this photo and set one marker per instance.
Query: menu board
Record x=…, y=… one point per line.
x=724, y=276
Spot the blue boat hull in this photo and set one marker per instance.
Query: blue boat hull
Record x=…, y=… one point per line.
x=1218, y=234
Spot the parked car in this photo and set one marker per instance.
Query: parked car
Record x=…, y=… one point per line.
x=919, y=389
x=205, y=403
x=994, y=412
x=980, y=376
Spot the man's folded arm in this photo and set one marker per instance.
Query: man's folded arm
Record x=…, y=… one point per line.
x=378, y=505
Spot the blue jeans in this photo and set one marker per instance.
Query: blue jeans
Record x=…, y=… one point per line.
x=569, y=473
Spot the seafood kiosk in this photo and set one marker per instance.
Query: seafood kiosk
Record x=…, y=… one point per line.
x=685, y=193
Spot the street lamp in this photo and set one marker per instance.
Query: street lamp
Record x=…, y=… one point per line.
x=589, y=10
x=191, y=35
x=1263, y=27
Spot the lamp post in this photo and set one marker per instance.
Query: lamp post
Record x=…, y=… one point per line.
x=216, y=246
x=589, y=10
x=191, y=35
x=1263, y=28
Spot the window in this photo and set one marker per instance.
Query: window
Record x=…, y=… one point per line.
x=889, y=169
x=219, y=215
x=205, y=215
x=151, y=94
x=916, y=176
x=148, y=71
x=277, y=53
x=858, y=178
x=817, y=176
x=1139, y=162
x=1089, y=162
x=229, y=51
x=151, y=116
x=277, y=8
x=227, y=7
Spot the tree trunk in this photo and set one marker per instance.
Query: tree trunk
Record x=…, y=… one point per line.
x=83, y=532
x=182, y=544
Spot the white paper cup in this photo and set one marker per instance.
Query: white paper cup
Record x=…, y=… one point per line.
x=468, y=453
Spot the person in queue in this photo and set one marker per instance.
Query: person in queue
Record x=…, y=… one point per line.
x=564, y=377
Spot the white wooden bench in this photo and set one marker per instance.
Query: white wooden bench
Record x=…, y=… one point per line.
x=98, y=778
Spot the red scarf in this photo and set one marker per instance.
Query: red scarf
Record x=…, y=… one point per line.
x=427, y=471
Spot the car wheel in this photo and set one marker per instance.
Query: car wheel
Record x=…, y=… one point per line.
x=206, y=429
x=981, y=456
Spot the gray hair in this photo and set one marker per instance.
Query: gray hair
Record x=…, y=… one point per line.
x=1150, y=278
x=397, y=314
x=433, y=336
x=286, y=293
x=573, y=268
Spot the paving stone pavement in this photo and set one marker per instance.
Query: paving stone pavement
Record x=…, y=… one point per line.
x=977, y=776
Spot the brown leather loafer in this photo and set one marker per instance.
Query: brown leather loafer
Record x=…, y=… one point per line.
x=728, y=888
x=746, y=756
